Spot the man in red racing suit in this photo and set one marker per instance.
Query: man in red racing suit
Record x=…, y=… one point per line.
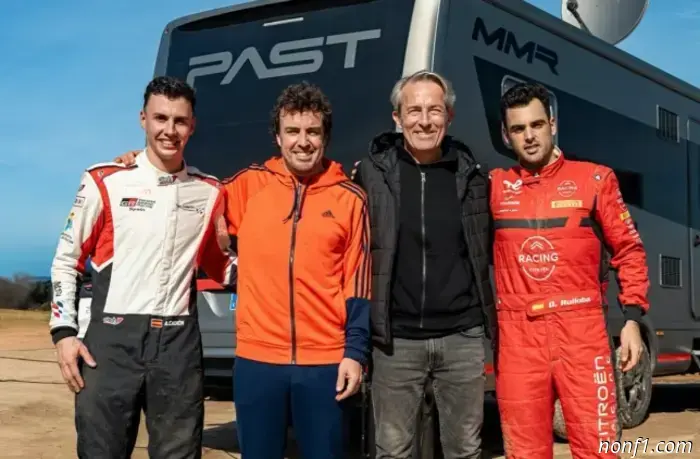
x=552, y=217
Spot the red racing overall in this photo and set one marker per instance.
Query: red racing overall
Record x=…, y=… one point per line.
x=553, y=335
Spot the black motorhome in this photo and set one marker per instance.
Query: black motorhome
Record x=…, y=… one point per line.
x=611, y=107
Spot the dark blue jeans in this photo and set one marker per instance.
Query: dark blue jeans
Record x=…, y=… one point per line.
x=265, y=397
x=456, y=364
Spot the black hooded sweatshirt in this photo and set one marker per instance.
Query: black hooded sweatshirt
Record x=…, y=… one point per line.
x=433, y=291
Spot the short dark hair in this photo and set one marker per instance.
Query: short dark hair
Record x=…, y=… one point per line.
x=170, y=87
x=522, y=94
x=301, y=97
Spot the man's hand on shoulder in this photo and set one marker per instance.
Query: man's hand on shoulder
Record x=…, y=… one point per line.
x=349, y=378
x=353, y=172
x=68, y=350
x=222, y=235
x=128, y=158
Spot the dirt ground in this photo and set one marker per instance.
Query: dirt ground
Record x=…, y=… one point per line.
x=36, y=409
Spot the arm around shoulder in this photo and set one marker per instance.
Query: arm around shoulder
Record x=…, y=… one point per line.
x=218, y=257
x=236, y=190
x=356, y=174
x=220, y=250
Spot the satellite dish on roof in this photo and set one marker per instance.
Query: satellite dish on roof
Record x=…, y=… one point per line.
x=609, y=20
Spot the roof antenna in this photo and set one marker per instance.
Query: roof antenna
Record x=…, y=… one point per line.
x=610, y=20
x=572, y=6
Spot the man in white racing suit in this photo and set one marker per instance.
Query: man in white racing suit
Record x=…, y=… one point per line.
x=147, y=229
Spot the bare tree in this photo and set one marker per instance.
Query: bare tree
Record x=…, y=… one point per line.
x=24, y=292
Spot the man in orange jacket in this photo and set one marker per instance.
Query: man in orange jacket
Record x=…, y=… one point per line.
x=301, y=231
x=552, y=216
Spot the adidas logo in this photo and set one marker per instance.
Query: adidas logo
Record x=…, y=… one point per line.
x=328, y=214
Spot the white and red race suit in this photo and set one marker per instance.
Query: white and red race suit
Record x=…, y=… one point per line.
x=147, y=234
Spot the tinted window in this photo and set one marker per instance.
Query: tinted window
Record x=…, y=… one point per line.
x=354, y=50
x=630, y=187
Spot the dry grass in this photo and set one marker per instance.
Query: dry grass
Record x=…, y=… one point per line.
x=14, y=316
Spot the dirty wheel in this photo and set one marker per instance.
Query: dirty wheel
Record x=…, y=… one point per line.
x=634, y=395
x=634, y=391
x=558, y=422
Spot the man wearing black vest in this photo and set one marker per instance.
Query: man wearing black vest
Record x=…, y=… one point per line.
x=432, y=302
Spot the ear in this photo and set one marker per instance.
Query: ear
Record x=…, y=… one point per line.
x=279, y=141
x=142, y=119
x=193, y=126
x=450, y=115
x=553, y=124
x=504, y=135
x=397, y=120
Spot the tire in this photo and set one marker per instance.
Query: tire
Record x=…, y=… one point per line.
x=634, y=396
x=634, y=391
x=558, y=423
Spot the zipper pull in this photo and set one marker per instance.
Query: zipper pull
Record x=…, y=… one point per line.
x=298, y=201
x=422, y=176
x=295, y=204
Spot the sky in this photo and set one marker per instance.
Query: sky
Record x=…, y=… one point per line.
x=72, y=80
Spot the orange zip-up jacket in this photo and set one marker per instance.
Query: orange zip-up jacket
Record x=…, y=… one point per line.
x=303, y=265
